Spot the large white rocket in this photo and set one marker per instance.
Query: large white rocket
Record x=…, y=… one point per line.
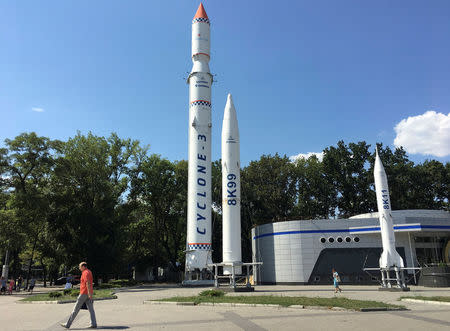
x=198, y=245
x=231, y=189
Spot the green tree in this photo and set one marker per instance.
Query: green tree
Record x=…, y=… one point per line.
x=88, y=188
x=27, y=163
x=346, y=170
x=268, y=194
x=316, y=196
x=216, y=217
x=159, y=223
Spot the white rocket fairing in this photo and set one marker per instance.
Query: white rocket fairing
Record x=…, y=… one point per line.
x=390, y=257
x=231, y=189
x=198, y=250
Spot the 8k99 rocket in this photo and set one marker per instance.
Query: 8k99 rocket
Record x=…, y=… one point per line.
x=231, y=189
x=198, y=252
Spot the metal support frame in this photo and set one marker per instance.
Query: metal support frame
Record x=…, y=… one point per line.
x=399, y=279
x=233, y=276
x=412, y=259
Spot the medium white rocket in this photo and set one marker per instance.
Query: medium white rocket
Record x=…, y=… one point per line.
x=390, y=257
x=198, y=250
x=231, y=189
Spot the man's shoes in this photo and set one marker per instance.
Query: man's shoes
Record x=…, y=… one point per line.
x=64, y=325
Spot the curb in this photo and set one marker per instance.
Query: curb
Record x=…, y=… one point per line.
x=429, y=302
x=229, y=304
x=220, y=304
x=364, y=310
x=171, y=303
x=61, y=302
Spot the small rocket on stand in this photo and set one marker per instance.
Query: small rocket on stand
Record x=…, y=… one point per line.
x=390, y=259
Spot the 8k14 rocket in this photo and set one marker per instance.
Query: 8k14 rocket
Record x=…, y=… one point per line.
x=198, y=250
x=231, y=189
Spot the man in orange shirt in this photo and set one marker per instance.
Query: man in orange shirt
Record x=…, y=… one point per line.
x=86, y=292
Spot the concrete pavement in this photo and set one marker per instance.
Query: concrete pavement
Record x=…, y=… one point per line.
x=129, y=313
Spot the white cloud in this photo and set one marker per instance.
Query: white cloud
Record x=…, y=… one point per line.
x=38, y=110
x=306, y=156
x=427, y=134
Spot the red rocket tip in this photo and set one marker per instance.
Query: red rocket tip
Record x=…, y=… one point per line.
x=200, y=12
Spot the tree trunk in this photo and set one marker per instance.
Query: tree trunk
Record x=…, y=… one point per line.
x=44, y=270
x=16, y=261
x=31, y=260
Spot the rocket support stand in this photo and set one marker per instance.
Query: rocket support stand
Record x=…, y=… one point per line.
x=400, y=284
x=199, y=277
x=233, y=276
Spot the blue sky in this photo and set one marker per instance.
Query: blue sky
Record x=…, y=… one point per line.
x=303, y=74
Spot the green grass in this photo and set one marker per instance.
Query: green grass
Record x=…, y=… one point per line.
x=286, y=301
x=437, y=298
x=68, y=295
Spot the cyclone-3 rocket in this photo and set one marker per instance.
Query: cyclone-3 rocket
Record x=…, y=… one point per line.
x=231, y=189
x=198, y=250
x=390, y=257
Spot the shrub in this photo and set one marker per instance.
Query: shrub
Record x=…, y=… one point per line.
x=113, y=283
x=123, y=282
x=67, y=291
x=212, y=293
x=54, y=294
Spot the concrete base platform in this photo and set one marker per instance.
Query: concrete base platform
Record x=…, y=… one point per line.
x=236, y=289
x=394, y=289
x=198, y=283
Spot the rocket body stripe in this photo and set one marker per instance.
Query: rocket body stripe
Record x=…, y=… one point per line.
x=201, y=54
x=231, y=189
x=198, y=241
x=389, y=256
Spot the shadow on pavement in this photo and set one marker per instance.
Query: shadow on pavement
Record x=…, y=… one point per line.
x=105, y=327
x=307, y=290
x=145, y=288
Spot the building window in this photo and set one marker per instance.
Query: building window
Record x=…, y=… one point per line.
x=339, y=239
x=323, y=240
x=356, y=239
x=348, y=239
x=331, y=240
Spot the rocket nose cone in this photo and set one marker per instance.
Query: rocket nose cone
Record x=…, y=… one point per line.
x=378, y=166
x=201, y=13
x=229, y=115
x=229, y=100
x=229, y=107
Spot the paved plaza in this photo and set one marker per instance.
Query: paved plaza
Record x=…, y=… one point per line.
x=129, y=313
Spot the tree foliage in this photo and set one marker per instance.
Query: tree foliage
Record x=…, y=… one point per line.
x=109, y=201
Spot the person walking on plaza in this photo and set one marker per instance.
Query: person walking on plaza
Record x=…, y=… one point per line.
x=32, y=284
x=3, y=285
x=86, y=293
x=336, y=281
x=11, y=286
x=19, y=283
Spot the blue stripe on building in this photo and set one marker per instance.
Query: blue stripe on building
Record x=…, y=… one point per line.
x=398, y=227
